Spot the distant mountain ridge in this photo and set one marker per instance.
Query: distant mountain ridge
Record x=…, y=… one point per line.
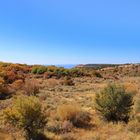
x=93, y=66
x=101, y=66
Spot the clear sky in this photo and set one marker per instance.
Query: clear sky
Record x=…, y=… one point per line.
x=70, y=31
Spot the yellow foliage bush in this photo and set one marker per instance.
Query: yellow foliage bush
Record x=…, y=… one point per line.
x=27, y=114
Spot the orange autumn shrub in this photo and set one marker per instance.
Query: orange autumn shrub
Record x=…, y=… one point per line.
x=18, y=67
x=10, y=77
x=1, y=81
x=18, y=84
x=5, y=92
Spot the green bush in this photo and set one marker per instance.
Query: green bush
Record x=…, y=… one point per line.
x=97, y=74
x=41, y=70
x=26, y=114
x=75, y=72
x=61, y=72
x=34, y=70
x=114, y=103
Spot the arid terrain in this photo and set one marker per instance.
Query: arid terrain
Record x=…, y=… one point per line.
x=65, y=93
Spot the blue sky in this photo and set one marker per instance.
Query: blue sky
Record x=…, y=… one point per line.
x=70, y=31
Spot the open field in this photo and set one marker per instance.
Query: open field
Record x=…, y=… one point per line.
x=61, y=96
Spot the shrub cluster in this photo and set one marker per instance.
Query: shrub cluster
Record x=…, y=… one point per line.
x=39, y=69
x=12, y=72
x=58, y=72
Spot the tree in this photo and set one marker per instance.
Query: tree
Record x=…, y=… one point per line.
x=114, y=103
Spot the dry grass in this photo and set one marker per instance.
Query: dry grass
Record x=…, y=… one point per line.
x=65, y=101
x=67, y=112
x=5, y=137
x=131, y=87
x=52, y=82
x=31, y=87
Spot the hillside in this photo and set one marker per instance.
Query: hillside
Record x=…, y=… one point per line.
x=97, y=66
x=66, y=98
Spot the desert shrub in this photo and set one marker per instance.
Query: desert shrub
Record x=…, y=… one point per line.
x=34, y=70
x=2, y=74
x=18, y=84
x=82, y=119
x=54, y=127
x=59, y=127
x=5, y=93
x=66, y=127
x=1, y=81
x=61, y=72
x=51, y=68
x=17, y=67
x=65, y=112
x=31, y=87
x=134, y=126
x=38, y=69
x=27, y=114
x=41, y=70
x=73, y=114
x=10, y=77
x=48, y=75
x=137, y=106
x=4, y=105
x=67, y=81
x=114, y=103
x=97, y=74
x=136, y=111
x=58, y=72
x=3, y=64
x=75, y=72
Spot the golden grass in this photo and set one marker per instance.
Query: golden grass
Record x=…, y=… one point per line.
x=66, y=111
x=64, y=101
